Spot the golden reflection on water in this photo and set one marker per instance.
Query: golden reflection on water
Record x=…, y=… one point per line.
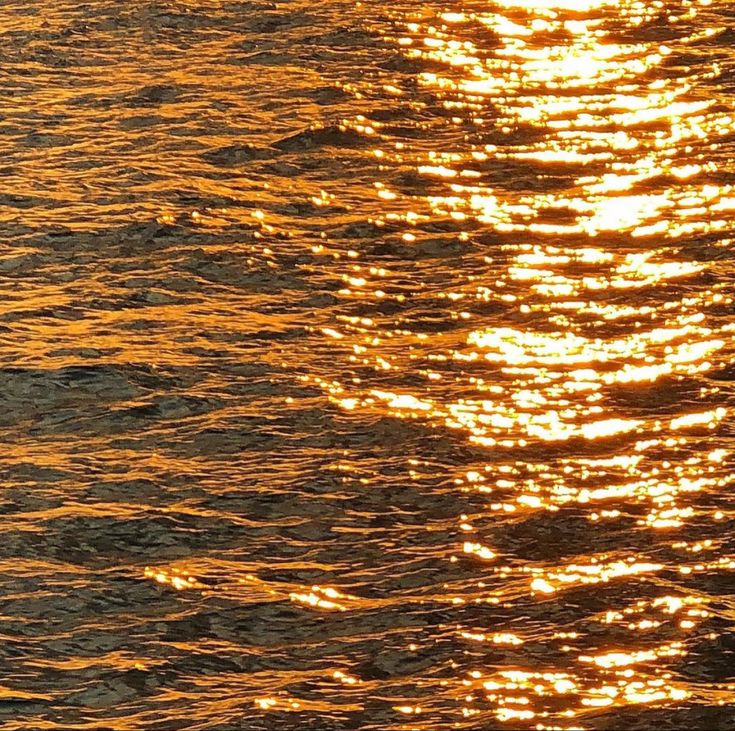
x=367, y=365
x=604, y=310
x=551, y=381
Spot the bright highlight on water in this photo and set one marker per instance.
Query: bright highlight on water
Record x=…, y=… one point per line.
x=368, y=365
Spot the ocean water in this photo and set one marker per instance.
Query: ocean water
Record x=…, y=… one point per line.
x=367, y=365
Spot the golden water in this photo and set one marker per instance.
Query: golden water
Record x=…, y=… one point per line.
x=367, y=365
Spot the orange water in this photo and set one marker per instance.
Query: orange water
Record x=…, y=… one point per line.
x=367, y=365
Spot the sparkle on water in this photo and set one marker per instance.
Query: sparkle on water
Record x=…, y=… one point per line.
x=419, y=415
x=586, y=270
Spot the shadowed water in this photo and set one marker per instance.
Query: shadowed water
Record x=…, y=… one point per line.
x=367, y=365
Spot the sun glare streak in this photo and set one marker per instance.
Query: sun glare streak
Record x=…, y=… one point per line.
x=581, y=352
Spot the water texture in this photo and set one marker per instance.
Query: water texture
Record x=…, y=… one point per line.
x=367, y=365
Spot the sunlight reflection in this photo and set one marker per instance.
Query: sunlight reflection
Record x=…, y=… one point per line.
x=578, y=351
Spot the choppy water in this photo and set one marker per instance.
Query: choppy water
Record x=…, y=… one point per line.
x=367, y=365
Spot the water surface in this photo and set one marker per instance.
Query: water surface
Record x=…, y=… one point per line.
x=367, y=365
